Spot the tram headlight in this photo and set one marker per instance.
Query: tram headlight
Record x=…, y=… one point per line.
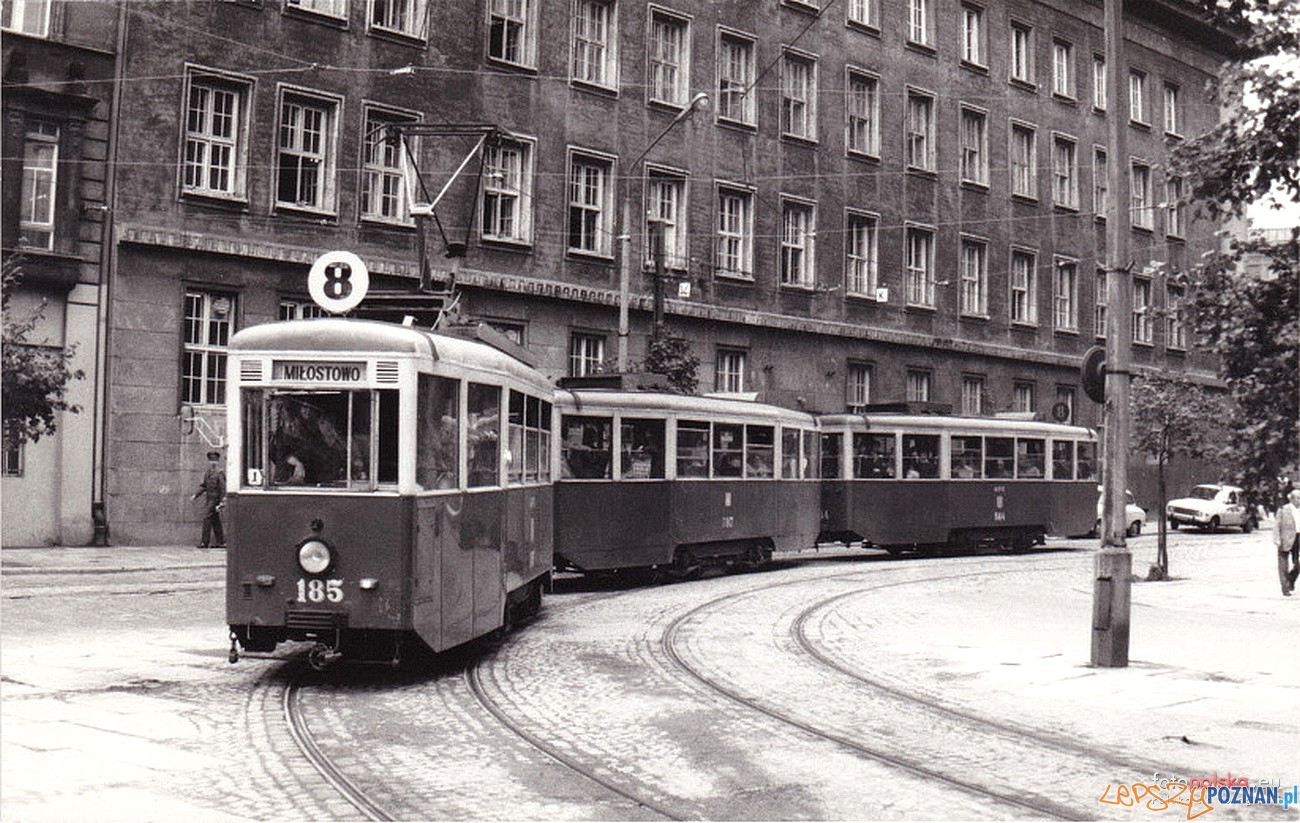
x=314, y=556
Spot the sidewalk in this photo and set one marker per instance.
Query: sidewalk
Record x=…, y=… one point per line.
x=106, y=559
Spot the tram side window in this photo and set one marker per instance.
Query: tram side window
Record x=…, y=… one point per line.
x=692, y=448
x=760, y=451
x=728, y=450
x=790, y=454
x=483, y=435
x=1031, y=458
x=530, y=439
x=1087, y=463
x=587, y=446
x=1062, y=460
x=254, y=426
x=873, y=455
x=967, y=457
x=920, y=455
x=830, y=462
x=389, y=404
x=643, y=449
x=811, y=462
x=999, y=458
x=437, y=459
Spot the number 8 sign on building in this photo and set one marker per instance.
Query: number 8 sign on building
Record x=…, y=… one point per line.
x=338, y=281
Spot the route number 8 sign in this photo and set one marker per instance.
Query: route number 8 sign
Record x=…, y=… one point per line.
x=338, y=281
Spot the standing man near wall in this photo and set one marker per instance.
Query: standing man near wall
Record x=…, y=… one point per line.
x=213, y=488
x=1288, y=543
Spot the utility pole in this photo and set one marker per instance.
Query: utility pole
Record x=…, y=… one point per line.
x=1112, y=585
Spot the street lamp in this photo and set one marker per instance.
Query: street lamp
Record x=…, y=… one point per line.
x=698, y=102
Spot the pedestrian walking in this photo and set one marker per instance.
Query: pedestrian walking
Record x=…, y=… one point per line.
x=213, y=491
x=1288, y=543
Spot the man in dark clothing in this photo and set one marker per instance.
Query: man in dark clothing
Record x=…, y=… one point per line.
x=213, y=489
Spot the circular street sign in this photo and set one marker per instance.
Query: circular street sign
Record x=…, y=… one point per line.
x=338, y=281
x=1093, y=373
x=1061, y=412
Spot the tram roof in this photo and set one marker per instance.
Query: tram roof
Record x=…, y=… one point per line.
x=935, y=422
x=653, y=402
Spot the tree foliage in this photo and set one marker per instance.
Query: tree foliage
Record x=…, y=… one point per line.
x=672, y=357
x=35, y=377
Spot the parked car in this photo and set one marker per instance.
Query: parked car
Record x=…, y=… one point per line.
x=1134, y=515
x=1211, y=506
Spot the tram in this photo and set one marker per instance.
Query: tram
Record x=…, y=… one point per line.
x=389, y=486
x=903, y=481
x=650, y=480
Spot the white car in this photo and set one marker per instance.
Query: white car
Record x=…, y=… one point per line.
x=1211, y=506
x=1134, y=515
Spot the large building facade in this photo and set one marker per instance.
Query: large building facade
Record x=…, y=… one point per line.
x=876, y=201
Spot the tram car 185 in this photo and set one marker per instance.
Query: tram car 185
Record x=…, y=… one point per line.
x=655, y=480
x=903, y=481
x=388, y=486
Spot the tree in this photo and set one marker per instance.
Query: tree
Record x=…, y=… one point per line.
x=672, y=357
x=1173, y=417
x=35, y=376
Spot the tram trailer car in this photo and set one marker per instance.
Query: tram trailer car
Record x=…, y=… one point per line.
x=389, y=486
x=905, y=481
x=655, y=480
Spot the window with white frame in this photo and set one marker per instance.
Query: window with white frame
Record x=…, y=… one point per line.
x=666, y=217
x=1140, y=205
x=209, y=321
x=972, y=35
x=1099, y=305
x=1022, y=397
x=974, y=146
x=512, y=32
x=13, y=459
x=1176, y=323
x=799, y=96
x=920, y=131
x=305, y=159
x=508, y=191
x=796, y=244
x=862, y=112
x=735, y=76
x=27, y=16
x=1100, y=183
x=972, y=395
x=406, y=17
x=974, y=277
x=385, y=170
x=1024, y=161
x=586, y=354
x=735, y=232
x=919, y=266
x=1143, y=328
x=1024, y=287
x=1065, y=397
x=329, y=8
x=300, y=310
x=1065, y=178
x=861, y=254
x=1098, y=82
x=918, y=386
x=864, y=13
x=216, y=137
x=857, y=387
x=1173, y=116
x=40, y=185
x=1175, y=208
x=669, y=55
x=1065, y=290
x=590, y=205
x=730, y=374
x=1063, y=68
x=1022, y=52
x=1137, y=96
x=918, y=21
x=594, y=43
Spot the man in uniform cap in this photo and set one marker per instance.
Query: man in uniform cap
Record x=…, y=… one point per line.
x=213, y=489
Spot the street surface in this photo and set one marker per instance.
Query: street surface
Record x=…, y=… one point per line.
x=835, y=685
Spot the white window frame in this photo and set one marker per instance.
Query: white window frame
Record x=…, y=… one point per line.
x=1101, y=300
x=203, y=355
x=30, y=17
x=336, y=9
x=974, y=146
x=735, y=231
x=798, y=242
x=391, y=167
x=864, y=13
x=1137, y=97
x=666, y=202
x=1143, y=327
x=407, y=18
x=973, y=265
x=974, y=51
x=1020, y=57
x=858, y=378
x=918, y=265
x=1065, y=294
x=1022, y=281
x=300, y=309
x=507, y=215
x=919, y=385
x=1023, y=399
x=972, y=395
x=209, y=138
x=919, y=130
x=735, y=57
x=798, y=95
x=599, y=204
x=1098, y=82
x=1141, y=207
x=516, y=23
x=594, y=43
x=308, y=103
x=1172, y=110
x=1100, y=183
x=668, y=64
x=1023, y=169
x=586, y=353
x=861, y=253
x=1063, y=72
x=862, y=112
x=918, y=22
x=1065, y=171
x=1175, y=322
x=729, y=371
x=1175, y=209
x=38, y=209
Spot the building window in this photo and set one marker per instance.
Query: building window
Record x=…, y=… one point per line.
x=972, y=395
x=305, y=161
x=920, y=267
x=974, y=277
x=1023, y=398
x=857, y=387
x=401, y=16
x=669, y=58
x=918, y=22
x=215, y=137
x=508, y=192
x=1064, y=296
x=861, y=255
x=1173, y=117
x=918, y=385
x=799, y=97
x=209, y=317
x=27, y=16
x=330, y=8
x=1024, y=287
x=511, y=32
x=974, y=147
x=862, y=111
x=385, y=171
x=1065, y=178
x=796, y=244
x=1175, y=208
x=1024, y=161
x=594, y=58
x=1176, y=329
x=40, y=185
x=665, y=214
x=586, y=354
x=300, y=310
x=590, y=206
x=1142, y=325
x=865, y=13
x=1022, y=53
x=1100, y=184
x=920, y=131
x=1063, y=69
x=735, y=75
x=1098, y=82
x=735, y=233
x=1140, y=205
x=730, y=376
x=514, y=332
x=972, y=35
x=1137, y=96
x=13, y=459
x=1102, y=298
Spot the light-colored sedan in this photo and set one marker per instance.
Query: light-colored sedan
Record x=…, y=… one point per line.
x=1211, y=506
x=1134, y=515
